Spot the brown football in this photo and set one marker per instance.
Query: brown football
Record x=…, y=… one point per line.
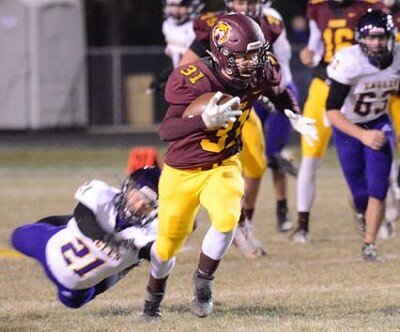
x=197, y=106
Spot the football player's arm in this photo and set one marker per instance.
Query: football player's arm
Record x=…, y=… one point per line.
x=312, y=54
x=283, y=99
x=175, y=127
x=87, y=222
x=283, y=52
x=338, y=92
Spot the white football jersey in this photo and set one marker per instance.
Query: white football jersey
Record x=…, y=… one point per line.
x=78, y=262
x=371, y=87
x=178, y=38
x=281, y=48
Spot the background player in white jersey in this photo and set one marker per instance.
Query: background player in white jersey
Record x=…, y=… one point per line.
x=178, y=32
x=178, y=26
x=109, y=233
x=364, y=77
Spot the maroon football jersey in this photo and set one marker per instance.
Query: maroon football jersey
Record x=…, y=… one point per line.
x=396, y=21
x=337, y=23
x=202, y=26
x=200, y=146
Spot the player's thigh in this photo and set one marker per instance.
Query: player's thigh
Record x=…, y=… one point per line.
x=178, y=201
x=351, y=158
x=222, y=197
x=378, y=171
x=252, y=155
x=315, y=108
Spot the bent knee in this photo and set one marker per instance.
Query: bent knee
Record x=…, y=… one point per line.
x=166, y=248
x=226, y=221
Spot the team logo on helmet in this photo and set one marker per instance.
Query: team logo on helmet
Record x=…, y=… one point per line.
x=221, y=32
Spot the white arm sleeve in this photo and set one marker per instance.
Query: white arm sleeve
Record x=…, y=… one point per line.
x=283, y=52
x=315, y=42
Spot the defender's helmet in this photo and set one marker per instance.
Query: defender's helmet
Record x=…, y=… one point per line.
x=376, y=23
x=254, y=10
x=237, y=34
x=193, y=9
x=145, y=181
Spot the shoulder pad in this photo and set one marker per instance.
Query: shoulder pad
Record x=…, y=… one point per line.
x=371, y=1
x=272, y=12
x=345, y=65
x=186, y=83
x=273, y=74
x=315, y=2
x=203, y=24
x=95, y=194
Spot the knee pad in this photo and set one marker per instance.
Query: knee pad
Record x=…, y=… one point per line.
x=77, y=299
x=166, y=248
x=225, y=221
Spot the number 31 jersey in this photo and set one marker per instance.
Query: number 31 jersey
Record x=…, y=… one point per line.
x=371, y=87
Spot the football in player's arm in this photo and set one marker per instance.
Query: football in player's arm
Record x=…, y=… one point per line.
x=109, y=233
x=363, y=78
x=201, y=163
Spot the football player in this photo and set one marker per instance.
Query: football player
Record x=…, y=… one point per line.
x=177, y=29
x=201, y=164
x=363, y=77
x=332, y=25
x=109, y=233
x=253, y=155
x=178, y=26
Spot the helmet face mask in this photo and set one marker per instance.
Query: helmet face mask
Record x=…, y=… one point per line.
x=137, y=200
x=239, y=49
x=182, y=11
x=252, y=8
x=375, y=35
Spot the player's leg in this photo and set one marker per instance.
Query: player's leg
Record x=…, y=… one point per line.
x=221, y=197
x=178, y=204
x=392, y=208
x=378, y=164
x=278, y=130
x=311, y=157
x=56, y=220
x=254, y=165
x=31, y=240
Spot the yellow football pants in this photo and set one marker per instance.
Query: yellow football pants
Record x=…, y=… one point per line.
x=181, y=192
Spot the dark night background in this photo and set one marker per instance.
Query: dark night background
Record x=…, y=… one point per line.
x=138, y=22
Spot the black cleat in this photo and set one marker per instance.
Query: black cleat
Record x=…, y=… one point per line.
x=202, y=303
x=152, y=307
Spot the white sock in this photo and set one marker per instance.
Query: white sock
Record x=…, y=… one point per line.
x=160, y=269
x=216, y=244
x=306, y=182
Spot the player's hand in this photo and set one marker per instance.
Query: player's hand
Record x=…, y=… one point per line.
x=269, y=106
x=306, y=57
x=303, y=125
x=215, y=116
x=375, y=139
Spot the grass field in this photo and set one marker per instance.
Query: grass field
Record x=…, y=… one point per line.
x=323, y=286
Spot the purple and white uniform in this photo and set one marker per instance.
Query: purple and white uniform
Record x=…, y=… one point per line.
x=366, y=104
x=81, y=266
